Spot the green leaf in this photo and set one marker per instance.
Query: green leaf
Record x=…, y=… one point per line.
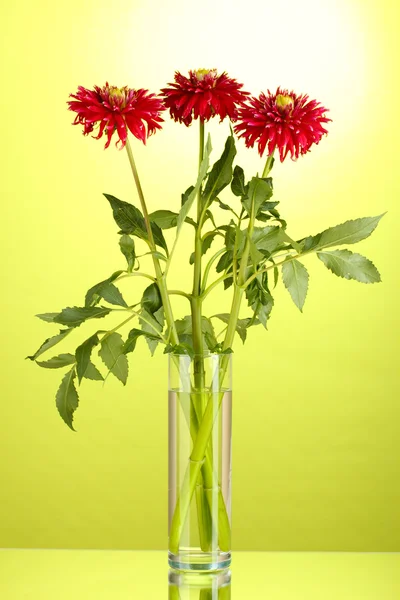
x=206, y=242
x=224, y=262
x=209, y=333
x=221, y=173
x=111, y=294
x=295, y=277
x=150, y=325
x=94, y=294
x=350, y=265
x=286, y=238
x=165, y=219
x=93, y=373
x=158, y=255
x=179, y=349
x=241, y=325
x=48, y=317
x=255, y=255
x=151, y=299
x=83, y=354
x=238, y=186
x=185, y=196
x=67, y=398
x=349, y=232
x=191, y=193
x=133, y=336
x=158, y=236
x=159, y=316
x=260, y=190
x=262, y=309
x=49, y=343
x=208, y=215
x=75, y=316
x=127, y=246
x=184, y=326
x=267, y=239
x=112, y=354
x=128, y=218
x=57, y=362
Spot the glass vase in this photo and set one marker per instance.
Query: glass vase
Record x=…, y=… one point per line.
x=199, y=586
x=200, y=439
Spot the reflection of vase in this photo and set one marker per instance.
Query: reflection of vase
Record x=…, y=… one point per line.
x=199, y=586
x=200, y=412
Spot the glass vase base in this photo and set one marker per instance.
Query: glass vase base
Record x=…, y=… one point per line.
x=199, y=562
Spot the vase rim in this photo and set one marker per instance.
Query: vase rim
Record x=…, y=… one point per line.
x=203, y=355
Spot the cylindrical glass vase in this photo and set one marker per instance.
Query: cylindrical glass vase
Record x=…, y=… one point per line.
x=200, y=439
x=199, y=586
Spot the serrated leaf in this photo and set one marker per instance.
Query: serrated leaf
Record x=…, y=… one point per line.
x=350, y=232
x=127, y=246
x=57, y=362
x=111, y=294
x=221, y=173
x=260, y=190
x=67, y=399
x=50, y=342
x=75, y=316
x=165, y=219
x=184, y=326
x=295, y=277
x=133, y=336
x=94, y=294
x=350, y=265
x=83, y=354
x=93, y=373
x=112, y=354
x=128, y=218
x=48, y=317
x=267, y=239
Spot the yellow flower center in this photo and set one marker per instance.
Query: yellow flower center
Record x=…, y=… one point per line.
x=118, y=95
x=201, y=73
x=284, y=104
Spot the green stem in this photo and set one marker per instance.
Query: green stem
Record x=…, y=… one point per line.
x=205, y=530
x=196, y=302
x=179, y=293
x=296, y=256
x=136, y=274
x=157, y=268
x=209, y=265
x=241, y=278
x=215, y=283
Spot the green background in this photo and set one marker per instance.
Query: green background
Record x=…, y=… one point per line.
x=316, y=441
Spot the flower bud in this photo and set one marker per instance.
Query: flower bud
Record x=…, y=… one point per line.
x=202, y=73
x=284, y=104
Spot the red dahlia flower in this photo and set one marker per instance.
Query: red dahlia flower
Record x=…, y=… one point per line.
x=116, y=109
x=203, y=94
x=282, y=120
